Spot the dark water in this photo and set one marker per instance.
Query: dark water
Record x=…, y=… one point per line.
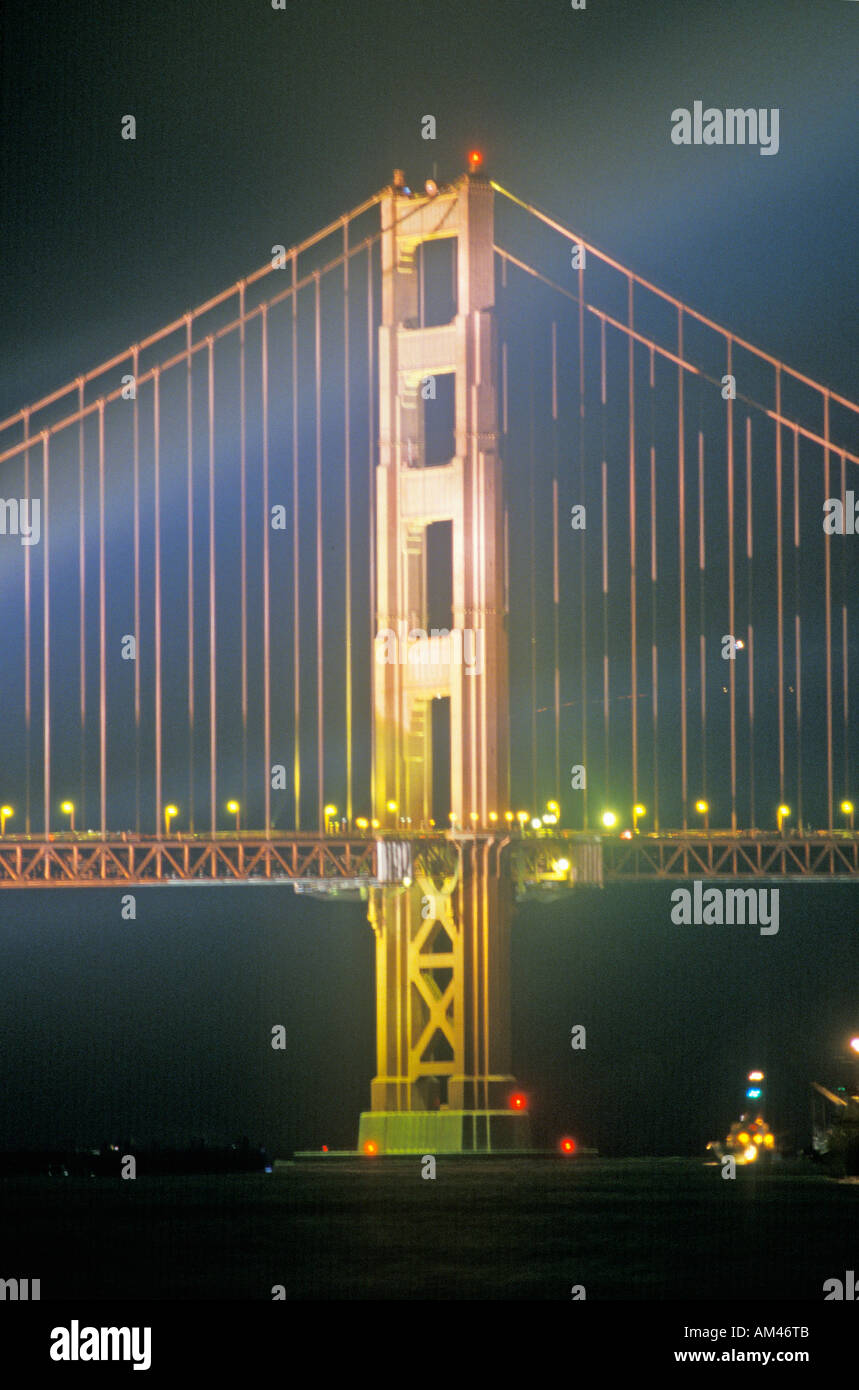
x=649, y=1229
x=159, y=1031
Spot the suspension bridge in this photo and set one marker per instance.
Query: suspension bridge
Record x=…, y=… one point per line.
x=440, y=560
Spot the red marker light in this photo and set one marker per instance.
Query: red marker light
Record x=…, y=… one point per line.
x=370, y=1147
x=518, y=1101
x=475, y=159
x=325, y=1148
x=568, y=1146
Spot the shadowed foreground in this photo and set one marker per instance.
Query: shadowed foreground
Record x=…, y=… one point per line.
x=625, y=1229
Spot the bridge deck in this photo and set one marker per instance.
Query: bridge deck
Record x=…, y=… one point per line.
x=350, y=863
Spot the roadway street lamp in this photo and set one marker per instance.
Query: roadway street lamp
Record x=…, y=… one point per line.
x=636, y=812
x=782, y=813
x=169, y=813
x=847, y=810
x=5, y=813
x=328, y=812
x=68, y=809
x=235, y=810
x=609, y=820
x=703, y=809
x=392, y=808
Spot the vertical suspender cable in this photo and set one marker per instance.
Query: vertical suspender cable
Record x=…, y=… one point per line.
x=347, y=558
x=82, y=596
x=189, y=448
x=732, y=665
x=371, y=508
x=751, y=629
x=243, y=504
x=296, y=611
x=266, y=575
x=583, y=654
x=46, y=636
x=681, y=505
x=797, y=627
x=633, y=578
x=556, y=598
x=844, y=646
x=320, y=691
x=506, y=516
x=780, y=582
x=605, y=661
x=27, y=640
x=828, y=606
x=157, y=482
x=213, y=708
x=702, y=615
x=654, y=629
x=533, y=581
x=102, y=629
x=136, y=545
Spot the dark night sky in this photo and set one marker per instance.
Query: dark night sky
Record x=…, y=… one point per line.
x=253, y=128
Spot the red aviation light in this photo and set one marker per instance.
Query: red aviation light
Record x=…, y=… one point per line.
x=518, y=1101
x=568, y=1146
x=475, y=159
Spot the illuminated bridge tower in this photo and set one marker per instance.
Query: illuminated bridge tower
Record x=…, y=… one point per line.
x=442, y=927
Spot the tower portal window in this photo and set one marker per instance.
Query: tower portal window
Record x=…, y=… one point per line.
x=439, y=418
x=436, y=266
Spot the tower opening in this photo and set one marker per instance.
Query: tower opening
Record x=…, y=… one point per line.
x=436, y=261
x=439, y=421
x=441, y=762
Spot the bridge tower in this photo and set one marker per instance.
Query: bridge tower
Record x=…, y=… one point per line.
x=442, y=926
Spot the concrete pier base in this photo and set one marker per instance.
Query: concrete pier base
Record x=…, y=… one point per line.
x=443, y=1131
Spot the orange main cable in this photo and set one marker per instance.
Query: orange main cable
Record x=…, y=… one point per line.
x=204, y=308
x=670, y=299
